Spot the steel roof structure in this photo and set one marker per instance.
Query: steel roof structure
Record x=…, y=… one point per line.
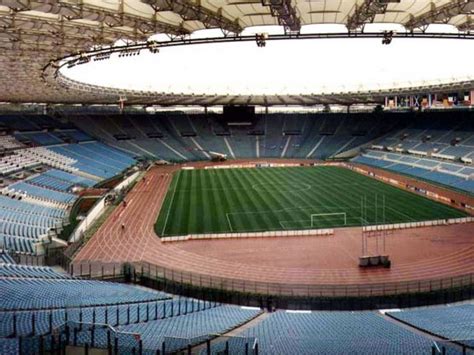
x=35, y=33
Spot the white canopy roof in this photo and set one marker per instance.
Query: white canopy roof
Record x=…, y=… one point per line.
x=34, y=32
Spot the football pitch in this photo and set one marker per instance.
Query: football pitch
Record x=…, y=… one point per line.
x=269, y=199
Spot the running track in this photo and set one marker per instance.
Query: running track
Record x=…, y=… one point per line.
x=417, y=254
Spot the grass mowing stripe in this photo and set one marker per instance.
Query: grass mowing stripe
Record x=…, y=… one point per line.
x=259, y=201
x=244, y=199
x=287, y=200
x=241, y=200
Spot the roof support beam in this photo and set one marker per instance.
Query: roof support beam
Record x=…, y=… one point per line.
x=440, y=14
x=62, y=28
x=468, y=25
x=366, y=12
x=286, y=14
x=80, y=10
x=190, y=11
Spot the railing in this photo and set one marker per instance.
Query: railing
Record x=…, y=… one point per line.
x=104, y=336
x=137, y=270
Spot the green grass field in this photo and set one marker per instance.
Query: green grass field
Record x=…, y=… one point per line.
x=251, y=200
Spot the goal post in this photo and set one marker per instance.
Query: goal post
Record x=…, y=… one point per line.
x=315, y=216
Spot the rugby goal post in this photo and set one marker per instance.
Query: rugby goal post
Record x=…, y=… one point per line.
x=320, y=215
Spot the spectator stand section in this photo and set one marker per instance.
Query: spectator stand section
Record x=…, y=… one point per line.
x=100, y=314
x=44, y=166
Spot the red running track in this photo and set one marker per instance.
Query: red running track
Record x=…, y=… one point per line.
x=416, y=254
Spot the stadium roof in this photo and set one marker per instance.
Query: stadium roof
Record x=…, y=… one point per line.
x=35, y=32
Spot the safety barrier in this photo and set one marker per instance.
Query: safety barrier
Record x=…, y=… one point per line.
x=410, y=225
x=268, y=234
x=196, y=282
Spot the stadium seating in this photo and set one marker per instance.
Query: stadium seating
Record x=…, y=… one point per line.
x=71, y=179
x=6, y=258
x=8, y=142
x=36, y=300
x=11, y=270
x=179, y=137
x=22, y=224
x=455, y=322
x=50, y=182
x=96, y=158
x=18, y=123
x=455, y=175
x=116, y=315
x=24, y=187
x=335, y=333
x=40, y=138
x=15, y=162
x=191, y=328
x=72, y=135
x=45, y=293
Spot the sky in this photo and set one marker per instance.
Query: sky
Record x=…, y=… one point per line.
x=286, y=67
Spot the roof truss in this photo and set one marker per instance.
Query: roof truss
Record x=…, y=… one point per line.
x=440, y=14
x=366, y=12
x=190, y=11
x=286, y=14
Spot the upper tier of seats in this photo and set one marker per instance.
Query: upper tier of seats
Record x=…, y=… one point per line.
x=446, y=136
x=179, y=137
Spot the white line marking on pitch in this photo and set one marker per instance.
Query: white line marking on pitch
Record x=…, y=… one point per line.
x=401, y=213
x=228, y=221
x=171, y=204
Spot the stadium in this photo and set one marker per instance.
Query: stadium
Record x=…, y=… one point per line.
x=236, y=177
